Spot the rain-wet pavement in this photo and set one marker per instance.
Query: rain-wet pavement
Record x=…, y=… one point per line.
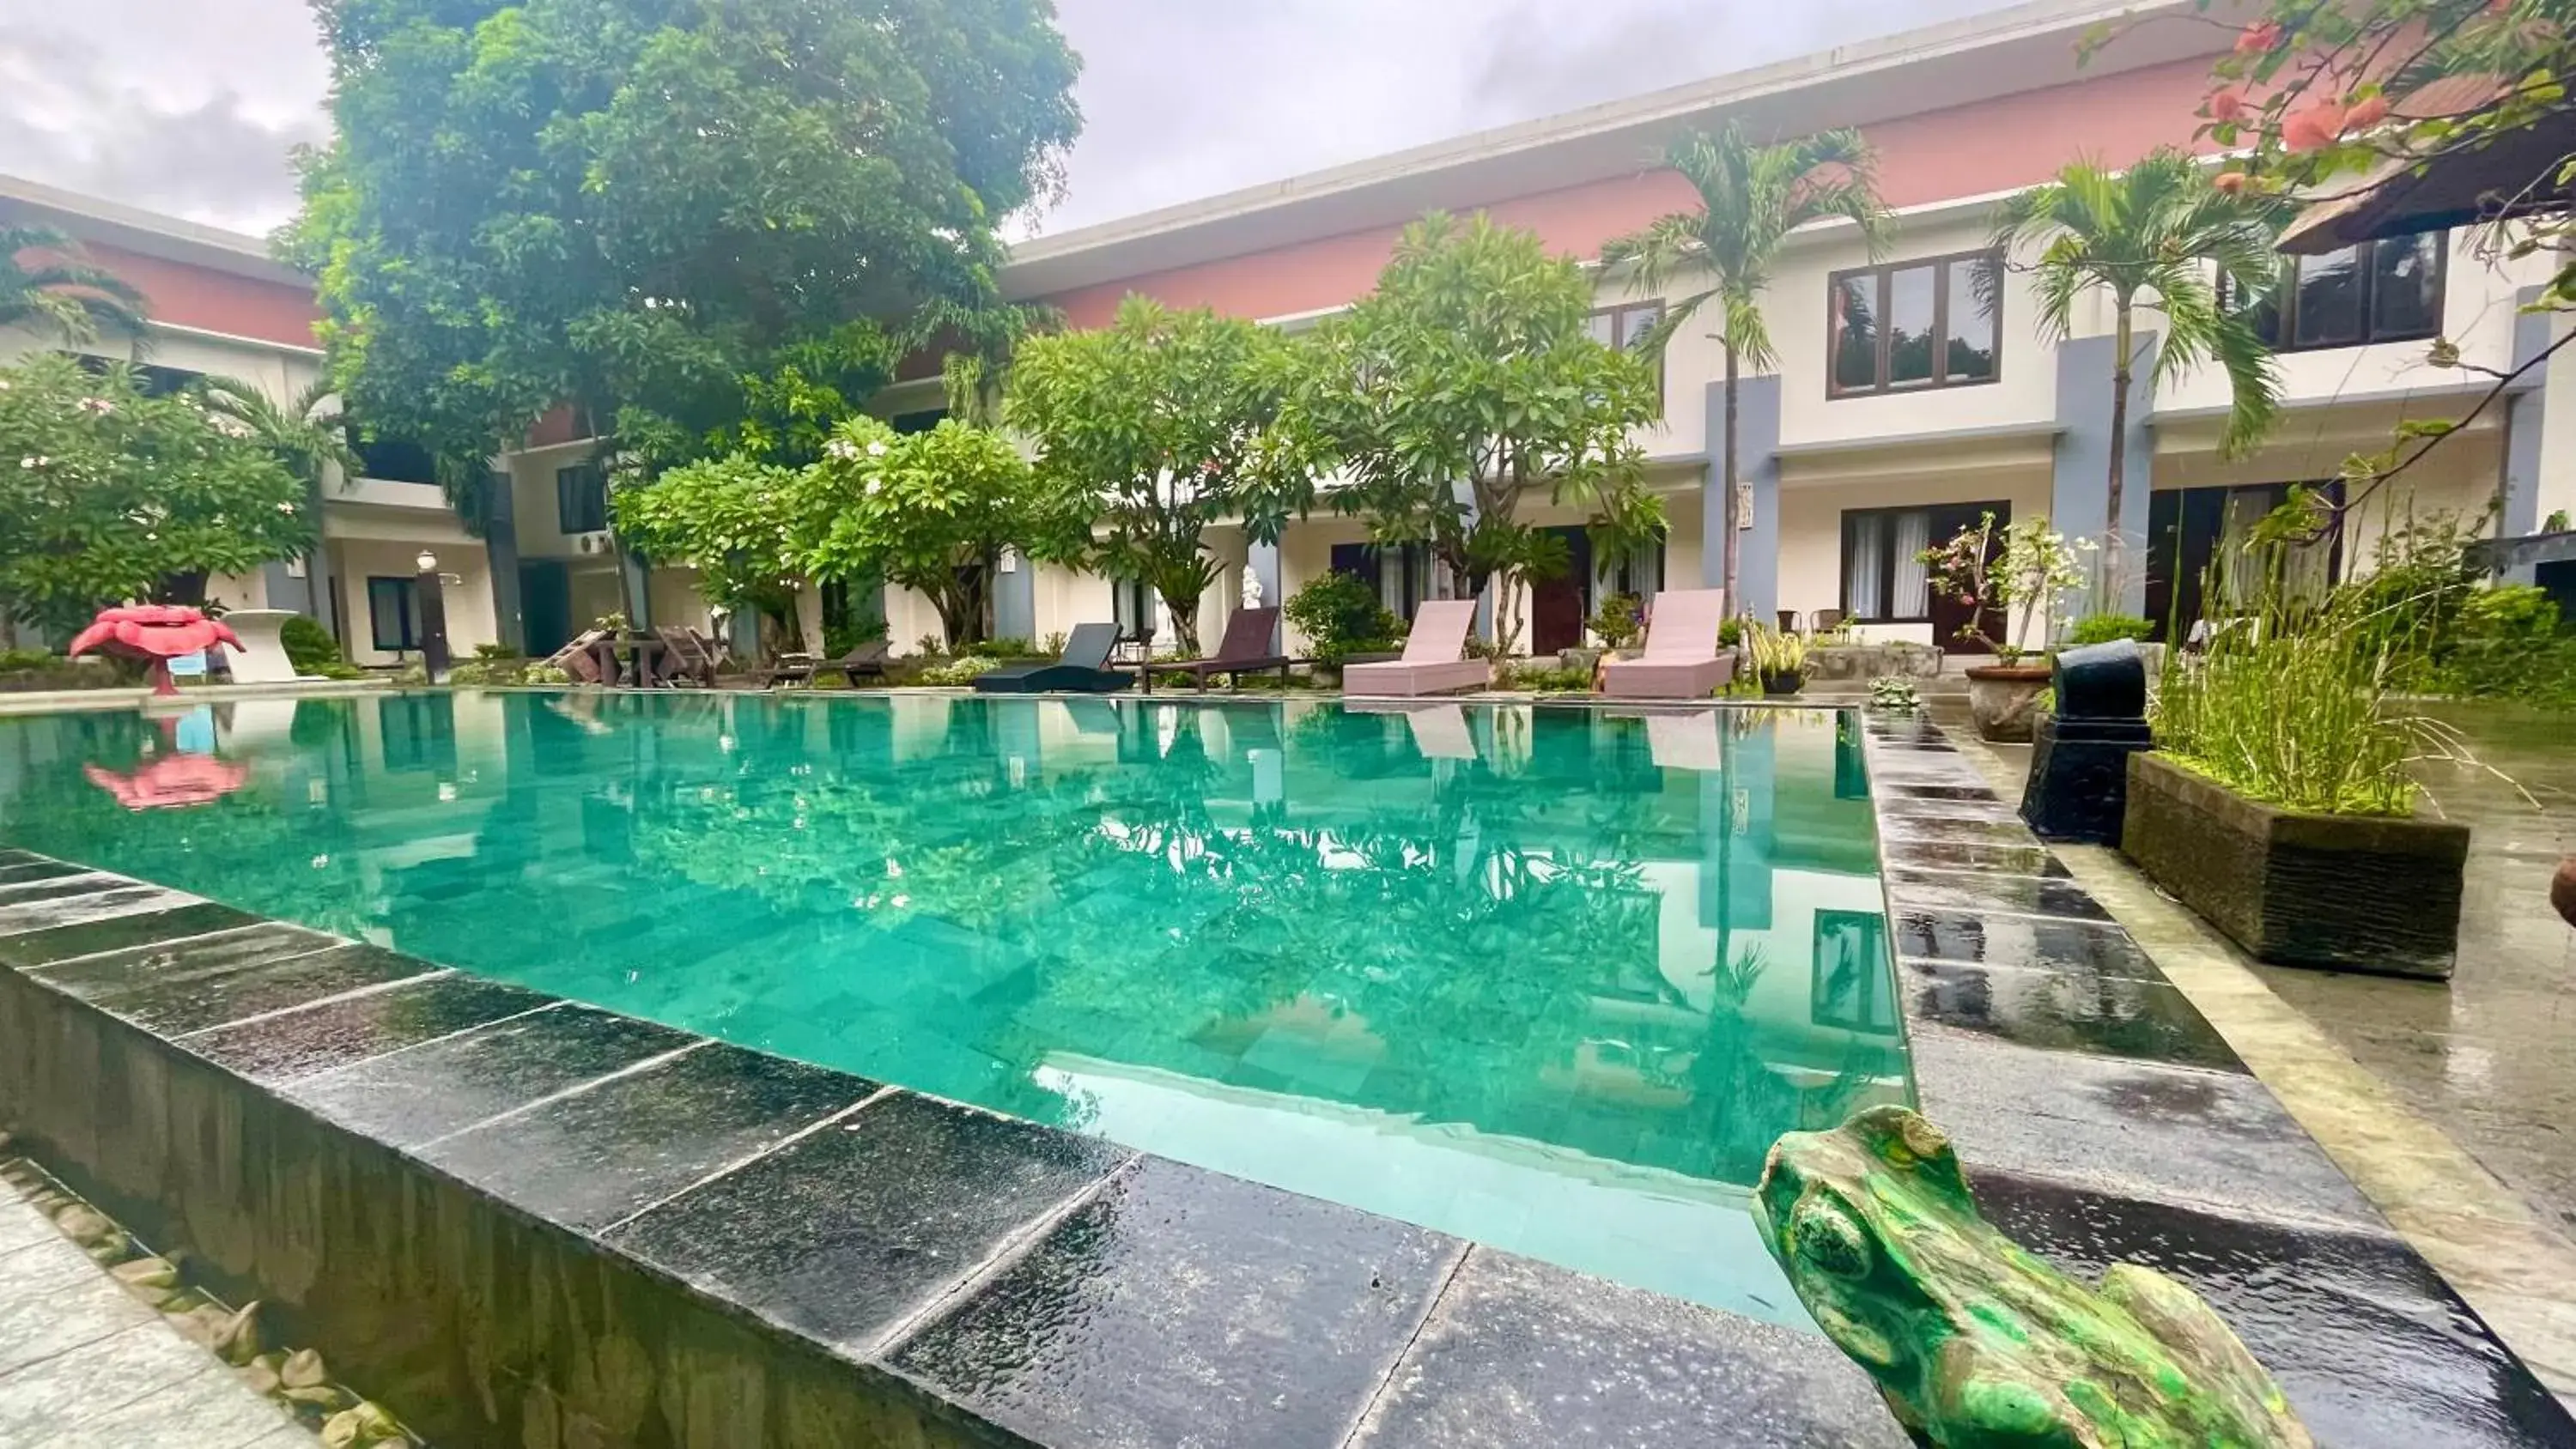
x=2447, y=1103
x=2492, y=1056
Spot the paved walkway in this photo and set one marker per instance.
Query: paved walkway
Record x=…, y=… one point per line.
x=85, y=1365
x=2447, y=1106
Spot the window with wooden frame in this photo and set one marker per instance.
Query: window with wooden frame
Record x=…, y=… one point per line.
x=1914, y=325
x=2388, y=290
x=1625, y=326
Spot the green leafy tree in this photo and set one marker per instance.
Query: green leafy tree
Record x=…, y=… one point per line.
x=933, y=512
x=1467, y=384
x=109, y=494
x=667, y=212
x=1163, y=419
x=739, y=522
x=1750, y=198
x=2157, y=237
x=49, y=285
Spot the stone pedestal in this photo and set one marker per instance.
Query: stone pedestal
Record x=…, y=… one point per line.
x=262, y=657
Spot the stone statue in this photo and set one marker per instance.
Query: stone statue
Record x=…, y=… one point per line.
x=1251, y=587
x=1976, y=1342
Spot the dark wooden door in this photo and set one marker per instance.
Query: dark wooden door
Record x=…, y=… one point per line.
x=1556, y=605
x=1949, y=616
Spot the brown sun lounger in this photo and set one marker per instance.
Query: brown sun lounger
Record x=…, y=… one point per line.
x=1246, y=650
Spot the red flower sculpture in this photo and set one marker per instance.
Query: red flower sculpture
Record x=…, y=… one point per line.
x=172, y=782
x=157, y=632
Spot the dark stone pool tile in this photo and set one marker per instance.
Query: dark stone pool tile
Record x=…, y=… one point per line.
x=1182, y=1306
x=59, y=886
x=1915, y=807
x=2032, y=943
x=84, y=899
x=1898, y=850
x=2129, y=1129
x=166, y=921
x=2373, y=1349
x=1974, y=891
x=197, y=1002
x=192, y=959
x=2068, y=1011
x=447, y=1086
x=2005, y=832
x=1908, y=791
x=36, y=868
x=598, y=1156
x=335, y=1033
x=851, y=1231
x=1521, y=1352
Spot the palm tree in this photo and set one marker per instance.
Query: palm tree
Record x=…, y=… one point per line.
x=59, y=290
x=306, y=434
x=1750, y=198
x=2158, y=236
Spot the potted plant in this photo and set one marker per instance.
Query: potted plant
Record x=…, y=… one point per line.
x=1779, y=659
x=2017, y=571
x=2278, y=804
x=1618, y=624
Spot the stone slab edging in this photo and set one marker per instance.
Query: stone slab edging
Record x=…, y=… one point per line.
x=524, y=1220
x=2102, y=1118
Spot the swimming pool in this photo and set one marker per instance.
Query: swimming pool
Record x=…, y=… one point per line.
x=1548, y=978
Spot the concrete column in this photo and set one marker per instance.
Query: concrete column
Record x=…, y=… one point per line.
x=2526, y=422
x=1015, y=598
x=2079, y=502
x=1757, y=464
x=1264, y=561
x=638, y=575
x=501, y=548
x=285, y=591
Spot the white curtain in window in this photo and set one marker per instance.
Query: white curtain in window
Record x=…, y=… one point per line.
x=2240, y=569
x=1911, y=595
x=1865, y=569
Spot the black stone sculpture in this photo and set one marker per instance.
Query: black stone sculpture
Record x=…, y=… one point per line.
x=2079, y=758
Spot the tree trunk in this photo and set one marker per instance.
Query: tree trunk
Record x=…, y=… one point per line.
x=1185, y=622
x=2108, y=593
x=1730, y=547
x=957, y=614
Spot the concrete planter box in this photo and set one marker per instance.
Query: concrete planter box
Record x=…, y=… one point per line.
x=1861, y=663
x=2004, y=700
x=2347, y=893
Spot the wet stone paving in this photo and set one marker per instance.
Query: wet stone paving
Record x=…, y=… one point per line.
x=1072, y=1292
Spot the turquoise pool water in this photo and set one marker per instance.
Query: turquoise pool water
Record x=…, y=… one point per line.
x=1549, y=978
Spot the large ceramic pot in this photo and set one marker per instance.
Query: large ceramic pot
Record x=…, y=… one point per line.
x=2341, y=892
x=2004, y=700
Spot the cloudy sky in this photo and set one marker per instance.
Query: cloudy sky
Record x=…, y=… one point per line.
x=190, y=106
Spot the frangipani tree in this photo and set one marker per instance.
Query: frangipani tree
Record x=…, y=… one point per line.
x=1750, y=198
x=739, y=522
x=934, y=512
x=1469, y=384
x=2157, y=237
x=1163, y=420
x=109, y=494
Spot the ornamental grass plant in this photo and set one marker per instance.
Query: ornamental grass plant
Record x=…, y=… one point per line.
x=2295, y=703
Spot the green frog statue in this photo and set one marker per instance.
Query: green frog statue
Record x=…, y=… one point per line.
x=1977, y=1343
